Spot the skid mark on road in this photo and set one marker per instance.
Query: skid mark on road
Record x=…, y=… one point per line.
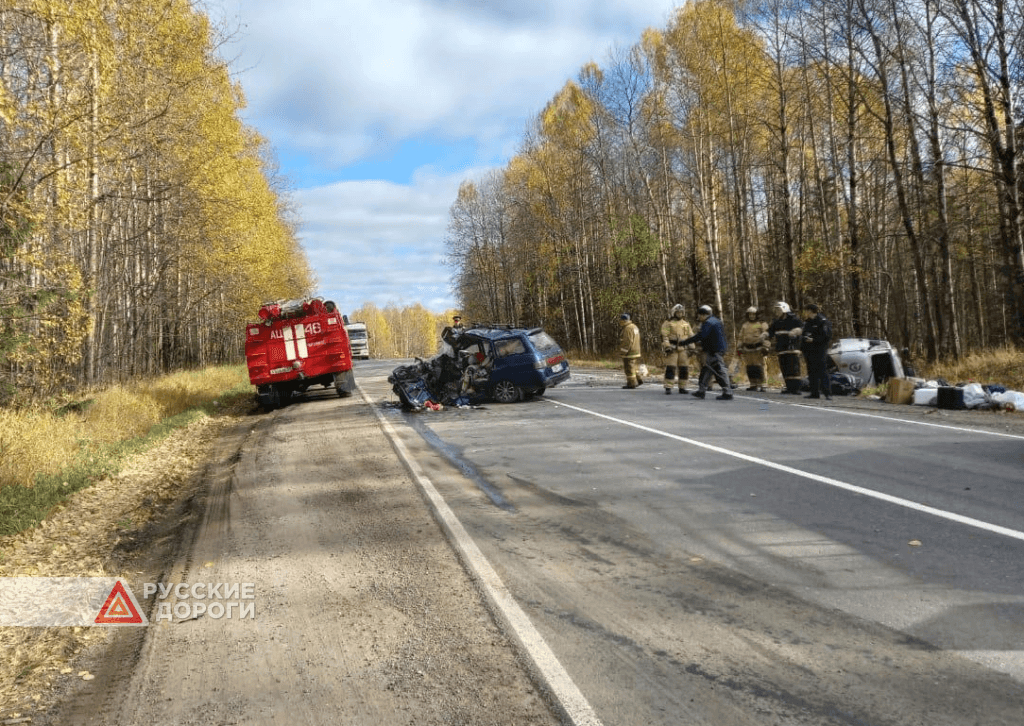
x=888, y=498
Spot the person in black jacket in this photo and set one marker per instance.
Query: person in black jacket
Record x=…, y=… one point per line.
x=712, y=341
x=817, y=334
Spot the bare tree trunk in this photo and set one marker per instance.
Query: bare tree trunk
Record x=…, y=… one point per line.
x=889, y=123
x=946, y=293
x=1001, y=132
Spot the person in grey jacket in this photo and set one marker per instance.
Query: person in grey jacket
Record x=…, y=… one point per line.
x=711, y=337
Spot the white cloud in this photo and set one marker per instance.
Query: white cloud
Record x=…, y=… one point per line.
x=369, y=72
x=345, y=81
x=381, y=242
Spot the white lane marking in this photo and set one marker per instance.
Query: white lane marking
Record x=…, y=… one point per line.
x=559, y=683
x=906, y=421
x=952, y=516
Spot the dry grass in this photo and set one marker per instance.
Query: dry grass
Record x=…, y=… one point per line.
x=1004, y=366
x=87, y=472
x=35, y=441
x=77, y=540
x=48, y=453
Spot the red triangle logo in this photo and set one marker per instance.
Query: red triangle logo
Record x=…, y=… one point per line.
x=120, y=608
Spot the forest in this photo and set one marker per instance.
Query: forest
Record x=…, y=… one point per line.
x=859, y=154
x=141, y=222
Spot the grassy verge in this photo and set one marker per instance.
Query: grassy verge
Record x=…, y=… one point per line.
x=48, y=453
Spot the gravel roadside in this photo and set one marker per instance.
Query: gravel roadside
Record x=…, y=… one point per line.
x=363, y=612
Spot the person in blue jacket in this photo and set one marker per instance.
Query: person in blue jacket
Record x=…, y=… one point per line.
x=711, y=337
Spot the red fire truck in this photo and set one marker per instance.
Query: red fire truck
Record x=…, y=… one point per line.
x=297, y=344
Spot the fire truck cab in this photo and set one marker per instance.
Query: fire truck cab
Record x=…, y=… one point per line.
x=297, y=344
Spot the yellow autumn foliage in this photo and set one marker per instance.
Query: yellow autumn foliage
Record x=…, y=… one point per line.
x=35, y=441
x=39, y=441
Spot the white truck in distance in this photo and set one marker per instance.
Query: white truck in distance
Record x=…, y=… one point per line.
x=358, y=338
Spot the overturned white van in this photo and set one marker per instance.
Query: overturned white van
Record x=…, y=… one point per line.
x=870, y=361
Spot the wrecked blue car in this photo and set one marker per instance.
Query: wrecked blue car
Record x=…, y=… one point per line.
x=486, y=362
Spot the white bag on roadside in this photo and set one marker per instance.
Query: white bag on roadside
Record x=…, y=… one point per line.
x=926, y=397
x=1013, y=398
x=974, y=395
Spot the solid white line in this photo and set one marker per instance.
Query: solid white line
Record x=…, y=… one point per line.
x=559, y=683
x=988, y=527
x=907, y=421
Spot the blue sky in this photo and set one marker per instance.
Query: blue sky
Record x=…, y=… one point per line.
x=378, y=109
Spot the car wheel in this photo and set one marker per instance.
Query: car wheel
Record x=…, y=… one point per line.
x=506, y=392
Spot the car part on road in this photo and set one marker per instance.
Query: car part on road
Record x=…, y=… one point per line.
x=871, y=362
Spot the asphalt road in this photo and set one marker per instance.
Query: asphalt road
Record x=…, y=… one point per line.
x=754, y=561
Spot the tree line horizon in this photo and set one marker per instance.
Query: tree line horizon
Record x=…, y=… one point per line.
x=859, y=154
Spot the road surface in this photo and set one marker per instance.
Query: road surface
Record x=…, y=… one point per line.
x=603, y=557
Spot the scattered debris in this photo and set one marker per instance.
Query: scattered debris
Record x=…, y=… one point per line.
x=964, y=396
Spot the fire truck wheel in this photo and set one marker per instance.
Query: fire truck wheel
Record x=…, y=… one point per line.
x=344, y=383
x=270, y=397
x=507, y=392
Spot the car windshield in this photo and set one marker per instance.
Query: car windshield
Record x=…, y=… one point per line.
x=357, y=334
x=542, y=341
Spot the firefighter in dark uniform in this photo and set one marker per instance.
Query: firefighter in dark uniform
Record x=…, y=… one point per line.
x=677, y=357
x=752, y=348
x=785, y=330
x=817, y=334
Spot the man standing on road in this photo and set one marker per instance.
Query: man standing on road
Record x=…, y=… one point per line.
x=629, y=349
x=785, y=331
x=712, y=341
x=753, y=345
x=673, y=331
x=817, y=334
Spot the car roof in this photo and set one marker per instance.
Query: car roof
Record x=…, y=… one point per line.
x=499, y=333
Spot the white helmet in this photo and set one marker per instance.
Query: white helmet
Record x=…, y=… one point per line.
x=752, y=310
x=782, y=307
x=704, y=310
x=675, y=309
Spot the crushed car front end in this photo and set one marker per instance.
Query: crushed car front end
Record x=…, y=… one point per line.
x=486, y=362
